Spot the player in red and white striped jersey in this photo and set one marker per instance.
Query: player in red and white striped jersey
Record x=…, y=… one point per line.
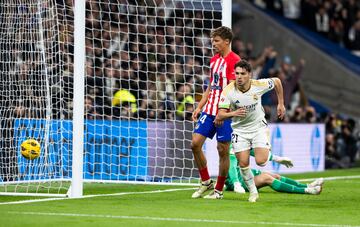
x=222, y=73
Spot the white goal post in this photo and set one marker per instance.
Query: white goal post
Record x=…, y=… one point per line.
x=106, y=86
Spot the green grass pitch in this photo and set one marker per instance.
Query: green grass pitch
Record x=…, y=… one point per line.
x=153, y=205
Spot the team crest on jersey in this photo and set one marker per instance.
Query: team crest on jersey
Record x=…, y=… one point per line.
x=271, y=84
x=221, y=67
x=255, y=97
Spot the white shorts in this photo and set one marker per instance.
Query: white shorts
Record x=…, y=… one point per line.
x=245, y=141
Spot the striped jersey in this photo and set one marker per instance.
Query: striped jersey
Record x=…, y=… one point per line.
x=232, y=98
x=222, y=71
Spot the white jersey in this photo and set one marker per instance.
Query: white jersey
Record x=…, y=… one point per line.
x=232, y=98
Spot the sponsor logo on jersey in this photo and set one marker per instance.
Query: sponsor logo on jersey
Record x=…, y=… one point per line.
x=216, y=77
x=214, y=87
x=315, y=148
x=251, y=108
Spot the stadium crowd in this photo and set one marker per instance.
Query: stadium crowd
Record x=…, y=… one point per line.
x=144, y=62
x=156, y=66
x=160, y=70
x=140, y=64
x=337, y=20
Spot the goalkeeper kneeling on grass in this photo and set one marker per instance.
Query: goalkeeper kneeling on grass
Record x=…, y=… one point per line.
x=234, y=181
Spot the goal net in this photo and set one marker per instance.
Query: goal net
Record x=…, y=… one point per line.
x=147, y=63
x=34, y=95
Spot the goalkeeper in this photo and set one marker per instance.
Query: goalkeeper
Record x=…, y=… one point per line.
x=234, y=181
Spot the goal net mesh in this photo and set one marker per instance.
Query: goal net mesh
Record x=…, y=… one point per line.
x=34, y=95
x=147, y=63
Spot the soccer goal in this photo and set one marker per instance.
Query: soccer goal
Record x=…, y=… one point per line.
x=106, y=87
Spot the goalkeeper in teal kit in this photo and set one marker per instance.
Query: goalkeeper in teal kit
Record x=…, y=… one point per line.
x=234, y=181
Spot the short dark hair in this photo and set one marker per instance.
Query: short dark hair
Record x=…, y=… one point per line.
x=224, y=32
x=243, y=64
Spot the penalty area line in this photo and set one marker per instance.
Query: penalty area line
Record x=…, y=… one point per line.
x=188, y=220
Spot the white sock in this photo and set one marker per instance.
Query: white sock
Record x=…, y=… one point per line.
x=248, y=179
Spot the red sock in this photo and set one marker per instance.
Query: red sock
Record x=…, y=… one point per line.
x=220, y=183
x=204, y=174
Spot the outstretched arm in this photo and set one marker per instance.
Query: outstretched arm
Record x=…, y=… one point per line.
x=280, y=96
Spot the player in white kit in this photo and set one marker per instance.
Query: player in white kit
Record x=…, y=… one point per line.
x=241, y=101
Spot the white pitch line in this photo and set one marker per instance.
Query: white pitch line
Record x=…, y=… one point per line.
x=177, y=219
x=98, y=195
x=31, y=201
x=134, y=193
x=333, y=178
x=151, y=192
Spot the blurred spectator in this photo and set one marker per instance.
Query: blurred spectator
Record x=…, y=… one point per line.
x=347, y=142
x=354, y=38
x=332, y=156
x=322, y=21
x=185, y=108
x=337, y=20
x=342, y=145
x=274, y=5
x=124, y=104
x=151, y=106
x=166, y=91
x=305, y=114
x=183, y=98
x=291, y=9
x=331, y=124
x=290, y=76
x=308, y=11
x=298, y=115
x=263, y=63
x=336, y=32
x=310, y=115
x=89, y=107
